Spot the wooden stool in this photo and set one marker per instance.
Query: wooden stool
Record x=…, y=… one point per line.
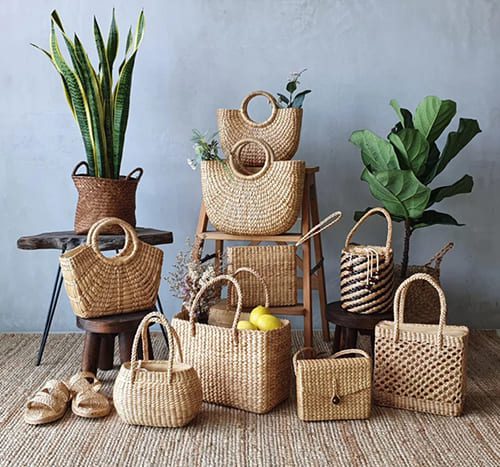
x=100, y=333
x=348, y=325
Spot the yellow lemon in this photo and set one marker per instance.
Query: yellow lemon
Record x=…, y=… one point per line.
x=245, y=325
x=257, y=312
x=268, y=322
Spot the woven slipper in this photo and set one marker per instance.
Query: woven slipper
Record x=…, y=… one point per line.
x=48, y=404
x=87, y=401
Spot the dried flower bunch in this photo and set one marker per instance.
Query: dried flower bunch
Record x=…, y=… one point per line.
x=206, y=148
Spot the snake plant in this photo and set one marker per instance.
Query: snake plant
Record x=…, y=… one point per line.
x=99, y=106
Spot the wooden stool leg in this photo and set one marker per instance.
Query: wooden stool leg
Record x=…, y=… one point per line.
x=351, y=338
x=336, y=339
x=306, y=269
x=106, y=352
x=91, y=352
x=125, y=343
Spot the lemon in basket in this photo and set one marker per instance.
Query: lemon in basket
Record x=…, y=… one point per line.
x=257, y=312
x=268, y=322
x=246, y=325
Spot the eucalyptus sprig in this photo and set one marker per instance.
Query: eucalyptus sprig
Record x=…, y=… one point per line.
x=206, y=148
x=293, y=83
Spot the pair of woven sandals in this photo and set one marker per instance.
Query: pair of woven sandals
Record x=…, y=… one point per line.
x=51, y=401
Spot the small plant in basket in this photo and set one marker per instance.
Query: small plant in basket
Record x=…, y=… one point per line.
x=206, y=148
x=292, y=101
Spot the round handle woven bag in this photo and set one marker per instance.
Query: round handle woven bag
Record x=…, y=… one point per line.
x=240, y=202
x=281, y=130
x=367, y=272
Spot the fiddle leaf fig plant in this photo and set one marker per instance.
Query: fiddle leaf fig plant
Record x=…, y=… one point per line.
x=400, y=169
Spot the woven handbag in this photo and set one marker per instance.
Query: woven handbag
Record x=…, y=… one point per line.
x=333, y=388
x=277, y=264
x=245, y=369
x=281, y=130
x=420, y=367
x=164, y=393
x=242, y=203
x=367, y=272
x=97, y=285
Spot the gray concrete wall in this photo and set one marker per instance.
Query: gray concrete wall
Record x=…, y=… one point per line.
x=200, y=55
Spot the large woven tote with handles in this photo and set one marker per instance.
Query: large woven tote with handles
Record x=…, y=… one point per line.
x=242, y=202
x=281, y=130
x=420, y=367
x=98, y=285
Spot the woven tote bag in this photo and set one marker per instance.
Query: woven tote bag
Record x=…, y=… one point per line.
x=367, y=272
x=164, y=393
x=245, y=369
x=281, y=130
x=242, y=203
x=422, y=301
x=277, y=264
x=333, y=388
x=420, y=367
x=97, y=285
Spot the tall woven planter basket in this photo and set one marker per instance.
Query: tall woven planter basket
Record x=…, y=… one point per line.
x=420, y=367
x=104, y=197
x=243, y=203
x=98, y=286
x=281, y=130
x=245, y=369
x=163, y=393
x=367, y=272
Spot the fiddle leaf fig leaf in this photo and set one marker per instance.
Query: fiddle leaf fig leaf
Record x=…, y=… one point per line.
x=404, y=115
x=377, y=153
x=431, y=217
x=412, y=147
x=433, y=115
x=464, y=185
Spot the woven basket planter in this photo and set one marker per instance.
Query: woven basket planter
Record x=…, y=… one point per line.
x=104, y=197
x=98, y=286
x=281, y=130
x=245, y=369
x=367, y=272
x=333, y=388
x=163, y=393
x=242, y=203
x=420, y=367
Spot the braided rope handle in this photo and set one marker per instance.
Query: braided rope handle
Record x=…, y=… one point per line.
x=235, y=155
x=259, y=278
x=126, y=250
x=371, y=212
x=438, y=257
x=272, y=102
x=341, y=353
x=327, y=222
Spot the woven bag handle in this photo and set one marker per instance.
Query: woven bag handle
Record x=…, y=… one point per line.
x=341, y=353
x=272, y=102
x=371, y=212
x=234, y=159
x=127, y=244
x=259, y=278
x=400, y=299
x=438, y=257
x=140, y=170
x=77, y=166
x=239, y=303
x=327, y=222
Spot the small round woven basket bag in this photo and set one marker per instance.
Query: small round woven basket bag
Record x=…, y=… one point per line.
x=367, y=272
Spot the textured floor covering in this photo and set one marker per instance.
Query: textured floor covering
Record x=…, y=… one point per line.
x=227, y=437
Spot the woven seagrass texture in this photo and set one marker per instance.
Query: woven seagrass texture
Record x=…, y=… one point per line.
x=104, y=197
x=420, y=367
x=245, y=369
x=165, y=393
x=99, y=286
x=281, y=130
x=367, y=272
x=333, y=388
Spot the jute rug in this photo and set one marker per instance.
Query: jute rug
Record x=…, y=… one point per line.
x=227, y=437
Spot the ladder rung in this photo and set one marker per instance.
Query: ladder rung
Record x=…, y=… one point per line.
x=289, y=238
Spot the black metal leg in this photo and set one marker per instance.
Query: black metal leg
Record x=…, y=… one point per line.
x=160, y=309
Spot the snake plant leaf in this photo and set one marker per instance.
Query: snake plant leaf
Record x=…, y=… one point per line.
x=464, y=185
x=112, y=44
x=359, y=214
x=376, y=152
x=139, y=33
x=128, y=48
x=457, y=140
x=404, y=115
x=413, y=149
x=431, y=217
x=433, y=115
x=55, y=16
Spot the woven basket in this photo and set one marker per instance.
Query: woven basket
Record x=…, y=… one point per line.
x=367, y=272
x=281, y=130
x=164, y=393
x=97, y=285
x=245, y=369
x=277, y=264
x=333, y=388
x=104, y=197
x=263, y=203
x=420, y=367
x=422, y=301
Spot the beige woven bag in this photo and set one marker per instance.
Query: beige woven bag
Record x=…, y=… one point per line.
x=242, y=203
x=367, y=272
x=165, y=393
x=281, y=130
x=420, y=367
x=245, y=369
x=97, y=285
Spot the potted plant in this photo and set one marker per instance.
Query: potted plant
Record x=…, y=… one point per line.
x=100, y=107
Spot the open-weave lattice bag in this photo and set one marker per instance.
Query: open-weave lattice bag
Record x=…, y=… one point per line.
x=164, y=393
x=98, y=285
x=367, y=272
x=245, y=369
x=241, y=202
x=420, y=367
x=333, y=388
x=281, y=130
